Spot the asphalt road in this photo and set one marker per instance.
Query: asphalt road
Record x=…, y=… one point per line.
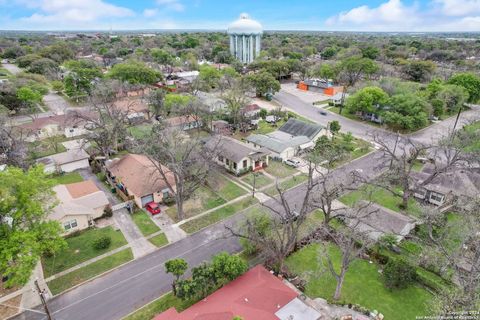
x=127, y=288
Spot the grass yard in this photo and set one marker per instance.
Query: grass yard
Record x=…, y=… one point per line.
x=144, y=223
x=66, y=178
x=287, y=184
x=224, y=187
x=83, y=274
x=47, y=147
x=363, y=285
x=158, y=306
x=217, y=215
x=141, y=131
x=159, y=240
x=279, y=169
x=472, y=128
x=261, y=180
x=265, y=127
x=382, y=197
x=80, y=249
x=203, y=199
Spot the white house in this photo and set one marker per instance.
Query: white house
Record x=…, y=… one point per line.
x=290, y=139
x=236, y=156
x=67, y=161
x=42, y=128
x=80, y=204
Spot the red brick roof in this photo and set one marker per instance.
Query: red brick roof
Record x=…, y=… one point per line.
x=257, y=294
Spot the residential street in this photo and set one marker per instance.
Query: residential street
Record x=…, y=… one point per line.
x=123, y=290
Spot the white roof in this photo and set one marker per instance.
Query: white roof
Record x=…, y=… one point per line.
x=297, y=310
x=245, y=25
x=70, y=206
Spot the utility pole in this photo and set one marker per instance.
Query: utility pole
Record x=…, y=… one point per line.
x=394, y=150
x=254, y=181
x=44, y=302
x=456, y=120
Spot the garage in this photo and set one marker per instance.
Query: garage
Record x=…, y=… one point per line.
x=147, y=199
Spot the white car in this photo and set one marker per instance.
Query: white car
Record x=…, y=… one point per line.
x=292, y=162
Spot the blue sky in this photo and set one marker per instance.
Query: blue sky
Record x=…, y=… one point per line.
x=353, y=15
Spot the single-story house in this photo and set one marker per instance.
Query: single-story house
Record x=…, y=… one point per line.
x=213, y=102
x=41, y=128
x=377, y=221
x=257, y=294
x=67, y=161
x=251, y=110
x=221, y=127
x=324, y=86
x=80, y=204
x=185, y=123
x=447, y=187
x=136, y=107
x=137, y=178
x=290, y=139
x=236, y=156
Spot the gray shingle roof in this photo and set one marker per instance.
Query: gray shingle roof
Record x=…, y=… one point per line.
x=296, y=128
x=233, y=149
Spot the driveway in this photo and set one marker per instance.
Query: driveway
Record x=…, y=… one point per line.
x=306, y=96
x=56, y=103
x=13, y=69
x=123, y=220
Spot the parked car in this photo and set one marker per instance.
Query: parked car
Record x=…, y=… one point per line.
x=322, y=112
x=292, y=162
x=153, y=208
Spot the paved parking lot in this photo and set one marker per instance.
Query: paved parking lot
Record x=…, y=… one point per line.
x=306, y=96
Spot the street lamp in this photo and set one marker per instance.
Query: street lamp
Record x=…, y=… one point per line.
x=42, y=299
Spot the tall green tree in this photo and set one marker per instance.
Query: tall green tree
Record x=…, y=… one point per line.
x=134, y=72
x=177, y=267
x=26, y=199
x=471, y=82
x=263, y=82
x=366, y=100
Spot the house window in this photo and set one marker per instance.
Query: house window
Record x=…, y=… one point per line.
x=227, y=162
x=220, y=158
x=436, y=197
x=244, y=163
x=235, y=165
x=166, y=193
x=70, y=224
x=71, y=130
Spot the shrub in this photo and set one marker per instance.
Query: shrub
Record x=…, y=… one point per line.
x=102, y=242
x=248, y=247
x=169, y=200
x=398, y=274
x=108, y=212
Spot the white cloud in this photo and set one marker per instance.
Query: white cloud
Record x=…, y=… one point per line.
x=174, y=5
x=395, y=15
x=458, y=7
x=73, y=13
x=388, y=16
x=150, y=12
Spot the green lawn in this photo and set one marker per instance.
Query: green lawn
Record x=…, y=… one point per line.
x=158, y=306
x=66, y=178
x=265, y=127
x=279, y=169
x=98, y=267
x=287, y=184
x=363, y=285
x=217, y=215
x=472, y=128
x=261, y=180
x=417, y=166
x=141, y=131
x=144, y=223
x=159, y=240
x=224, y=187
x=80, y=249
x=203, y=199
x=382, y=197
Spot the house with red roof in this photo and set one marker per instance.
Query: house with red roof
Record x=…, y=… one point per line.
x=255, y=295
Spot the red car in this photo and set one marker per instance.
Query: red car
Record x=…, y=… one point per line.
x=153, y=208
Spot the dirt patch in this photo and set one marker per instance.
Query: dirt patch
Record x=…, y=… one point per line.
x=10, y=307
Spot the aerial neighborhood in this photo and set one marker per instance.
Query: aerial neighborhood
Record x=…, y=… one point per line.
x=231, y=171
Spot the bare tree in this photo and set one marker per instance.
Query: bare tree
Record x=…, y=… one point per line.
x=236, y=100
x=107, y=120
x=13, y=148
x=277, y=234
x=458, y=247
x=351, y=240
x=402, y=157
x=184, y=156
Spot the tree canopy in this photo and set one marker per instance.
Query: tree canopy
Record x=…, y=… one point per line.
x=134, y=72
